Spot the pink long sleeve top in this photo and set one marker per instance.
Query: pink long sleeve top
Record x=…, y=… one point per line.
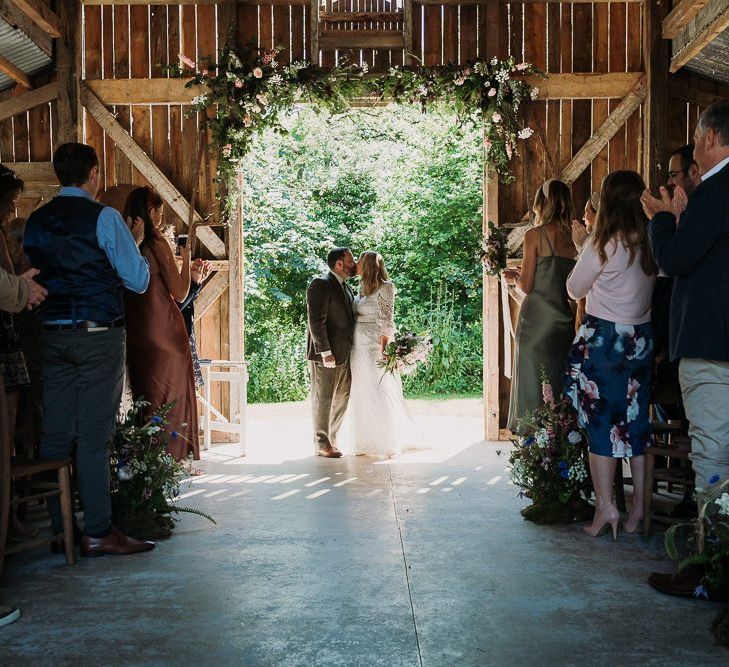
x=615, y=291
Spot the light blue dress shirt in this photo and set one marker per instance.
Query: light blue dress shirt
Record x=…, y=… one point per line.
x=118, y=244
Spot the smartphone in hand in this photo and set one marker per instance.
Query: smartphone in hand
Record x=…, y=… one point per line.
x=181, y=243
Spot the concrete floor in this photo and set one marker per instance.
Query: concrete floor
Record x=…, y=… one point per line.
x=424, y=561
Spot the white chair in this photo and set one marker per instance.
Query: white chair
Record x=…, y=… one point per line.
x=235, y=373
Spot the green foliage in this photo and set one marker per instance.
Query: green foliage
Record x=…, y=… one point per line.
x=144, y=477
x=395, y=180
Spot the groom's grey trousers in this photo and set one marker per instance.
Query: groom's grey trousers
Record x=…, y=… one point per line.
x=329, y=397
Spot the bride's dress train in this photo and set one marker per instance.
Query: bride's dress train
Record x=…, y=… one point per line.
x=379, y=421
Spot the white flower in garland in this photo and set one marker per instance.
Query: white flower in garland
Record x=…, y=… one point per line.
x=502, y=76
x=542, y=437
x=496, y=117
x=723, y=503
x=276, y=80
x=200, y=100
x=258, y=72
x=574, y=437
x=526, y=133
x=535, y=93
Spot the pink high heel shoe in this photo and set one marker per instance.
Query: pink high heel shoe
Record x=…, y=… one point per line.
x=608, y=517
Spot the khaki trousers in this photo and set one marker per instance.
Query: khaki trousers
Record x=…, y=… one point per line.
x=705, y=389
x=329, y=397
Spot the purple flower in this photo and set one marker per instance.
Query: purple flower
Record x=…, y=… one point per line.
x=156, y=419
x=701, y=592
x=174, y=434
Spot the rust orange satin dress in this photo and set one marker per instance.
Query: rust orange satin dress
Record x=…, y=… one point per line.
x=158, y=352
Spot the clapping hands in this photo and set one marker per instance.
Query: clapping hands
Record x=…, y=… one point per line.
x=579, y=234
x=676, y=204
x=36, y=293
x=200, y=270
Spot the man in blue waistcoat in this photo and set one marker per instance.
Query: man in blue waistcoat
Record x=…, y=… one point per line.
x=86, y=255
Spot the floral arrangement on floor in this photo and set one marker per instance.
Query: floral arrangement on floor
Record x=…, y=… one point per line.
x=494, y=249
x=406, y=352
x=144, y=477
x=550, y=463
x=704, y=543
x=248, y=89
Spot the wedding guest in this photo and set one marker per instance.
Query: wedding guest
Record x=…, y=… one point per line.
x=158, y=347
x=86, y=254
x=683, y=172
x=199, y=271
x=690, y=239
x=546, y=324
x=17, y=293
x=612, y=354
x=580, y=232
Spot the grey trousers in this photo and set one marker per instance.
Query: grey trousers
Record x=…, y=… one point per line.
x=705, y=390
x=83, y=375
x=329, y=397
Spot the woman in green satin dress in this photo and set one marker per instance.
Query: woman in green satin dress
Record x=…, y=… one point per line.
x=546, y=324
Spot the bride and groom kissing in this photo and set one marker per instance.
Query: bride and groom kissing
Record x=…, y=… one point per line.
x=346, y=338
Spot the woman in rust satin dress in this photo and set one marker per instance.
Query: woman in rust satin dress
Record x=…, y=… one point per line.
x=158, y=349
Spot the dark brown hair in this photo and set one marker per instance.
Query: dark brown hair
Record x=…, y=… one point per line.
x=621, y=218
x=138, y=205
x=10, y=187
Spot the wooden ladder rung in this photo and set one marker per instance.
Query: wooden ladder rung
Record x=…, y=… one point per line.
x=354, y=17
x=37, y=496
x=330, y=40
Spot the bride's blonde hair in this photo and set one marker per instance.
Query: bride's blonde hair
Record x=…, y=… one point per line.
x=373, y=273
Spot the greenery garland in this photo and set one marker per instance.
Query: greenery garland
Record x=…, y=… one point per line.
x=249, y=91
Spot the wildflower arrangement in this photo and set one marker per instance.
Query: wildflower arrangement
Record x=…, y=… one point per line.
x=405, y=352
x=550, y=462
x=494, y=250
x=247, y=90
x=144, y=477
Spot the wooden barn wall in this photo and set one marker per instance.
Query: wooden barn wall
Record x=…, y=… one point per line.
x=140, y=41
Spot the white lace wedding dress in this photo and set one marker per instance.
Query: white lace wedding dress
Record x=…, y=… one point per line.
x=379, y=422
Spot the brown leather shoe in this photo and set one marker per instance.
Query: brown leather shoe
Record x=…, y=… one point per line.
x=115, y=543
x=685, y=584
x=330, y=453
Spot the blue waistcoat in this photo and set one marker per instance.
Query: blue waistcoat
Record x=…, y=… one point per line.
x=60, y=241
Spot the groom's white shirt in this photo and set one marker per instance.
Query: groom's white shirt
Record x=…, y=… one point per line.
x=340, y=280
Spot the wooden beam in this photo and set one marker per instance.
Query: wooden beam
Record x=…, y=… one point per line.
x=491, y=293
x=173, y=91
x=149, y=170
x=33, y=98
x=38, y=172
x=361, y=39
x=313, y=33
x=14, y=72
x=19, y=21
x=710, y=22
x=40, y=13
x=585, y=86
x=39, y=191
x=155, y=2
x=68, y=65
x=682, y=12
x=408, y=30
x=343, y=17
x=143, y=91
x=589, y=151
x=210, y=293
x=236, y=302
x=656, y=57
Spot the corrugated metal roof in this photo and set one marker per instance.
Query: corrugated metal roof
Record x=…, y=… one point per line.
x=17, y=47
x=711, y=62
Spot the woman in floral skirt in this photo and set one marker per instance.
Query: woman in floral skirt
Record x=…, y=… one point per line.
x=609, y=377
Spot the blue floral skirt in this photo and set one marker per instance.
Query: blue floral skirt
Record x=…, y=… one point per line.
x=608, y=382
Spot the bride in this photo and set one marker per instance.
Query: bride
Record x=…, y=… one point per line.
x=378, y=416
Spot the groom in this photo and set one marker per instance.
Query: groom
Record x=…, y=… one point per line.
x=330, y=329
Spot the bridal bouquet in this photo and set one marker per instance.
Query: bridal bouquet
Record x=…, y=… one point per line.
x=403, y=354
x=550, y=462
x=494, y=249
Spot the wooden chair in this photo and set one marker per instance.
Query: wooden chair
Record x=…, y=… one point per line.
x=24, y=470
x=667, y=459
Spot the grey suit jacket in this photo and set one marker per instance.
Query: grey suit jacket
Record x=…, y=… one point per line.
x=330, y=319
